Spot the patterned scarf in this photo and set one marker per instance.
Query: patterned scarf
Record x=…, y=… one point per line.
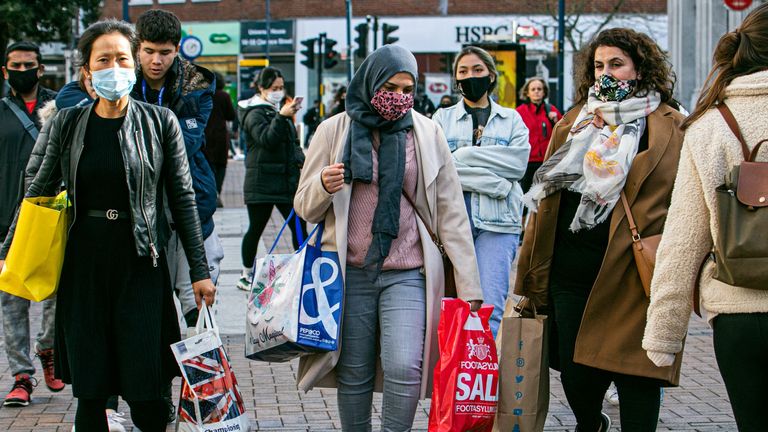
x=596, y=157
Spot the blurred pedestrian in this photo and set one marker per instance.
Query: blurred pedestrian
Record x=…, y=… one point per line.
x=272, y=163
x=19, y=114
x=311, y=121
x=540, y=117
x=738, y=315
x=393, y=272
x=217, y=134
x=423, y=105
x=490, y=149
x=577, y=256
x=117, y=238
x=446, y=101
x=339, y=101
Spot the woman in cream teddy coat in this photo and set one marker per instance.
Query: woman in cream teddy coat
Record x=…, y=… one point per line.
x=739, y=316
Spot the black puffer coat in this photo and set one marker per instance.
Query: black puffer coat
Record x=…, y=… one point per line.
x=274, y=159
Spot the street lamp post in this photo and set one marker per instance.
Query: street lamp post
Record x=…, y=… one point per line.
x=561, y=54
x=267, y=18
x=126, y=14
x=350, y=56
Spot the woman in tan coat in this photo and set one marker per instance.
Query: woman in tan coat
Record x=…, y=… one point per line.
x=359, y=167
x=738, y=315
x=576, y=260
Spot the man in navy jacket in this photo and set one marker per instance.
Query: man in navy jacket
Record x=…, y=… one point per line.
x=186, y=89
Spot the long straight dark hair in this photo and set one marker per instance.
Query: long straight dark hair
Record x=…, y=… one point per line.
x=741, y=52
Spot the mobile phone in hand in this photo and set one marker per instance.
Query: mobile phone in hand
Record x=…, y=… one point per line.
x=298, y=100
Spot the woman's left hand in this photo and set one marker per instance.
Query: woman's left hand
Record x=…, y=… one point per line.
x=553, y=117
x=474, y=305
x=204, y=290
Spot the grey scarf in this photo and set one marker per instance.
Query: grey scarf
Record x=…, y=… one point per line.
x=380, y=66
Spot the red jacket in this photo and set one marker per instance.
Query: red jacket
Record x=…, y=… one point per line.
x=539, y=128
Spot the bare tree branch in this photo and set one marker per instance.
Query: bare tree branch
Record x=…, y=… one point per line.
x=616, y=9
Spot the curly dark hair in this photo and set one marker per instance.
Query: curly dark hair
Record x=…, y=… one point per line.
x=159, y=26
x=653, y=68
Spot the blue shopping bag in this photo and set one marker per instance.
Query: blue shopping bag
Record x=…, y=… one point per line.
x=321, y=297
x=295, y=303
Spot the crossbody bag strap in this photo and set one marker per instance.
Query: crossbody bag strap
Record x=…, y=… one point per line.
x=432, y=235
x=26, y=122
x=730, y=120
x=630, y=218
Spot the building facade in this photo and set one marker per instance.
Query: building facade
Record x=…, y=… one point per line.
x=434, y=30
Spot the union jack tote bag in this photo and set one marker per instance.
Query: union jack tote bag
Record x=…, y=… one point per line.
x=210, y=399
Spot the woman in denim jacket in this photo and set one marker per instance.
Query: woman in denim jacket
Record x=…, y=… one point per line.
x=490, y=150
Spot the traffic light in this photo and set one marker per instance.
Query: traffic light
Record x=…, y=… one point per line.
x=387, y=30
x=362, y=40
x=331, y=56
x=309, y=52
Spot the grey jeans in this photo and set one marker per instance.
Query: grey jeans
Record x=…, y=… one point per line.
x=179, y=268
x=393, y=308
x=16, y=331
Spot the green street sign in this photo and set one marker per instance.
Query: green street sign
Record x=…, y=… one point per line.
x=220, y=38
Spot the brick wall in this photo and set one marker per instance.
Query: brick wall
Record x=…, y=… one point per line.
x=254, y=9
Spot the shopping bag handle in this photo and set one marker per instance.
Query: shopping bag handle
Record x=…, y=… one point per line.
x=297, y=225
x=302, y=241
x=523, y=304
x=205, y=320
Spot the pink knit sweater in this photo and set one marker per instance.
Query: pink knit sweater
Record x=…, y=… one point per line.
x=406, y=250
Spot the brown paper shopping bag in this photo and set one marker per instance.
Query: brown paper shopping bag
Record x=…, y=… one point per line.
x=523, y=372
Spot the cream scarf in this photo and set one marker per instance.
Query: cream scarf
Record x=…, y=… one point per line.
x=596, y=157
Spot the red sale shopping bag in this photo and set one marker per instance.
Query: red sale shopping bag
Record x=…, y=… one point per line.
x=466, y=377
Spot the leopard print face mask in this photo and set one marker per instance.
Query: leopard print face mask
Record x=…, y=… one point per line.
x=392, y=106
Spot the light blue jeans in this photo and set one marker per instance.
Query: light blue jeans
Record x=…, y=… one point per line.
x=392, y=308
x=495, y=253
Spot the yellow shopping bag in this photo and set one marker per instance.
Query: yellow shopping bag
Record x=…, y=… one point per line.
x=33, y=265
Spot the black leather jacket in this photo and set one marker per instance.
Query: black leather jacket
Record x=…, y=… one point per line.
x=155, y=161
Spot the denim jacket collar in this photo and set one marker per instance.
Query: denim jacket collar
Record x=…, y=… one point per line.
x=495, y=111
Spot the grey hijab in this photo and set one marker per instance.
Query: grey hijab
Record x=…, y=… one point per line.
x=380, y=66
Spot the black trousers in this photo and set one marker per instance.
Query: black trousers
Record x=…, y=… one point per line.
x=741, y=349
x=219, y=172
x=585, y=386
x=258, y=216
x=149, y=416
x=527, y=179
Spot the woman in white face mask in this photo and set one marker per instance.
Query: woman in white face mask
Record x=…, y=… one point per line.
x=272, y=164
x=118, y=158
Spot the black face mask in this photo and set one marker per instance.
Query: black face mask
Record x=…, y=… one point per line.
x=23, y=81
x=474, y=88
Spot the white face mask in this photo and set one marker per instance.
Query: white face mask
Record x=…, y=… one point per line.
x=275, y=97
x=114, y=83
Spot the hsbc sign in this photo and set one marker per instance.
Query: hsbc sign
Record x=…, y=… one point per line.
x=738, y=5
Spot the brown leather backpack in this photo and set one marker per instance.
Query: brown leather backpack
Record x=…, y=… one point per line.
x=741, y=249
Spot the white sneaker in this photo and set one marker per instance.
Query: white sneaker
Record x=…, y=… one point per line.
x=612, y=395
x=246, y=279
x=115, y=421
